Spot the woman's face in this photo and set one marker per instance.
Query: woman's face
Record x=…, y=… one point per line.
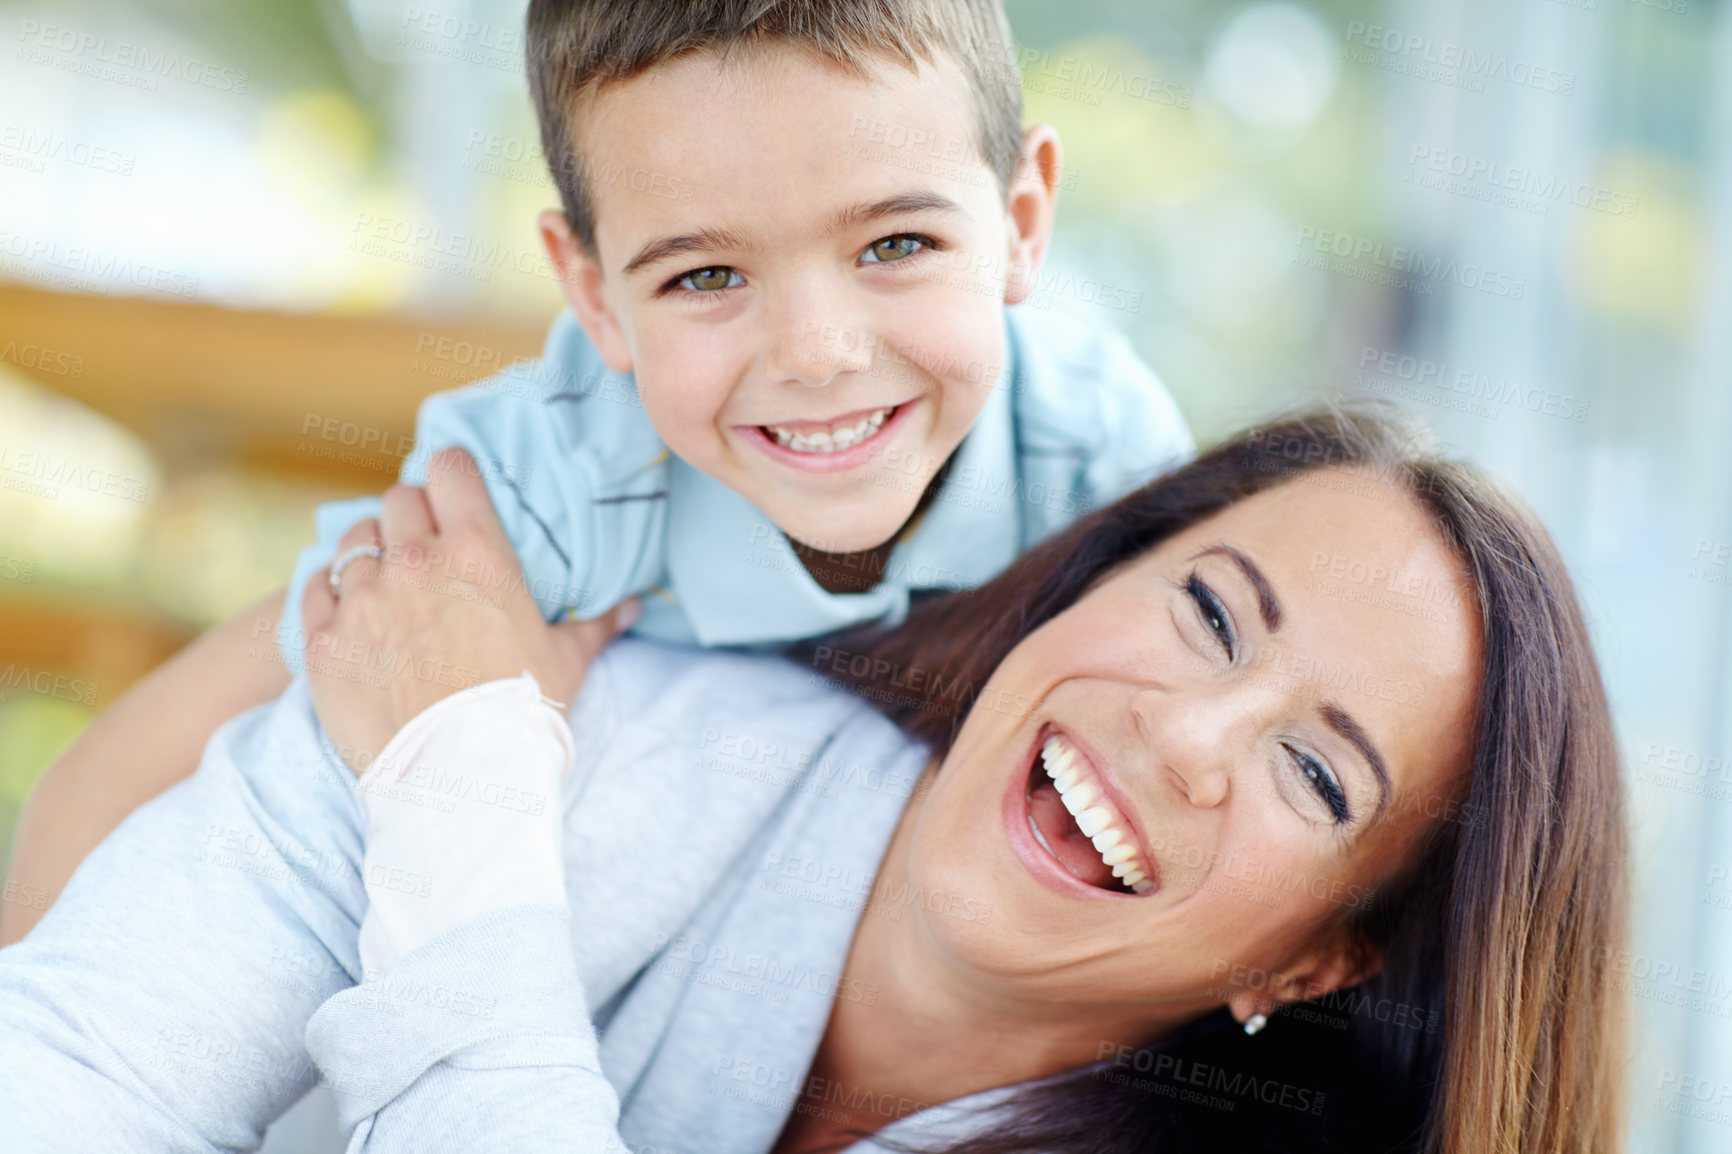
x=1258, y=719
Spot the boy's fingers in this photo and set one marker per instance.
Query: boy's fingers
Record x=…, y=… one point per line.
x=614, y=622
x=456, y=495
x=587, y=638
x=627, y=612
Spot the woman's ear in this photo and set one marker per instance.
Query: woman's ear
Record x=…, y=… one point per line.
x=1338, y=967
x=580, y=282
x=1030, y=202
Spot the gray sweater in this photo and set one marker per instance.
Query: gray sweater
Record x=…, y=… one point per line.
x=723, y=825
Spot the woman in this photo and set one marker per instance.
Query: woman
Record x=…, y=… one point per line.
x=1323, y=707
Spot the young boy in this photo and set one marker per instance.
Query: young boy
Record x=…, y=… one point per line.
x=788, y=395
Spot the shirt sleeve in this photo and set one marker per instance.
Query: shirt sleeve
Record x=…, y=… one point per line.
x=1094, y=422
x=576, y=473
x=472, y=1029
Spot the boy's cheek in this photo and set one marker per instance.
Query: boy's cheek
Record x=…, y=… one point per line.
x=957, y=341
x=959, y=407
x=685, y=388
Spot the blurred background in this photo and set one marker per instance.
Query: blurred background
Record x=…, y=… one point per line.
x=1512, y=216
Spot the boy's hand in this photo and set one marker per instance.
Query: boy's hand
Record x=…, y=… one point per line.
x=442, y=607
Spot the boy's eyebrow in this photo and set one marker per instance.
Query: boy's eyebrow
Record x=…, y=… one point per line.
x=902, y=202
x=703, y=240
x=714, y=239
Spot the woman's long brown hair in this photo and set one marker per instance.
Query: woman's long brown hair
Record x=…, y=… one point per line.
x=1526, y=889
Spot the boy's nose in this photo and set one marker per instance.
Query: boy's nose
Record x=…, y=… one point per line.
x=811, y=345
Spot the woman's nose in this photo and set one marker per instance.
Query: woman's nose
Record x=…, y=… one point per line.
x=1194, y=739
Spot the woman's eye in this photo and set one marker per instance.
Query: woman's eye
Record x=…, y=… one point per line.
x=1321, y=782
x=892, y=248
x=709, y=280
x=1213, y=613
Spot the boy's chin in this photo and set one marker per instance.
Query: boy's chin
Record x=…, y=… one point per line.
x=830, y=534
x=845, y=542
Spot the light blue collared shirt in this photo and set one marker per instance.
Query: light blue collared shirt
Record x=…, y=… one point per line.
x=598, y=510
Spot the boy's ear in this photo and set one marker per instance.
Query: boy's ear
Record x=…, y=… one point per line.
x=580, y=282
x=1032, y=198
x=1336, y=967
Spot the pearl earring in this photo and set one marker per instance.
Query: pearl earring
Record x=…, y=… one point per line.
x=1255, y=1023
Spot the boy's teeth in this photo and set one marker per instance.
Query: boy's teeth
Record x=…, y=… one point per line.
x=1095, y=817
x=833, y=440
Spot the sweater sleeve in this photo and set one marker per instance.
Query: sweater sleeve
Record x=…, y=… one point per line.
x=163, y=1001
x=463, y=816
x=479, y=1040
x=471, y=1029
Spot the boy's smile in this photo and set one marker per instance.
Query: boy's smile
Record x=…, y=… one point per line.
x=815, y=319
x=830, y=446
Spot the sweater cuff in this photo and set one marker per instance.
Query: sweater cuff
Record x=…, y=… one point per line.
x=463, y=816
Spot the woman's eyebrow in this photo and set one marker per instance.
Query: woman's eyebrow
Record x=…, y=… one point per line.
x=1268, y=605
x=1338, y=719
x=1354, y=734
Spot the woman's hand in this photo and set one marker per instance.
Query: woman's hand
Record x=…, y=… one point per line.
x=442, y=608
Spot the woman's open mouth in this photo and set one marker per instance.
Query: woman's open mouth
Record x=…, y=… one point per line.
x=836, y=445
x=1074, y=818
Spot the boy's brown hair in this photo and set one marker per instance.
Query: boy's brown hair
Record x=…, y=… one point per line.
x=576, y=46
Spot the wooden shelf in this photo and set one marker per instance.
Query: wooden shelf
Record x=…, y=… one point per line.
x=208, y=386
x=220, y=381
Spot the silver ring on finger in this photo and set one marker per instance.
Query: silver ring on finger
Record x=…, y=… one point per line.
x=353, y=553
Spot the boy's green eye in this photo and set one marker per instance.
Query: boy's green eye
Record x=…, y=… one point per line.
x=892, y=248
x=712, y=279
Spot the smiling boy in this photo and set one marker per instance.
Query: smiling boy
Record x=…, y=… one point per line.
x=784, y=400
x=762, y=376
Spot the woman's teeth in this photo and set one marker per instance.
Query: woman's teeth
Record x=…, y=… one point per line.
x=832, y=440
x=1094, y=814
